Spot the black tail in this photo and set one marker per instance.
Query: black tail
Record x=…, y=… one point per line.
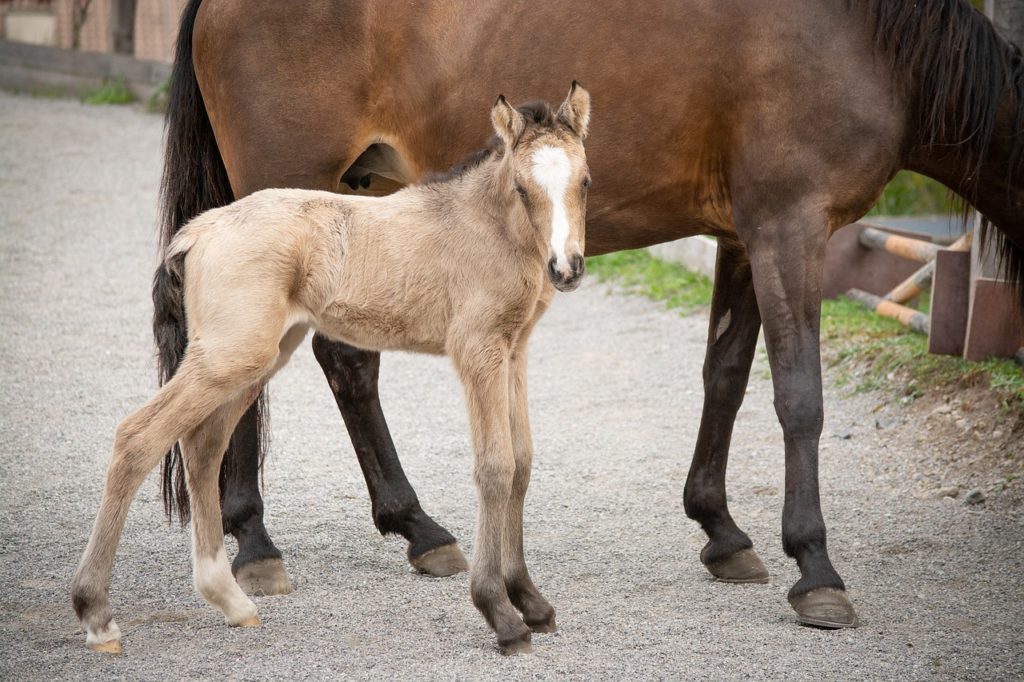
x=194, y=180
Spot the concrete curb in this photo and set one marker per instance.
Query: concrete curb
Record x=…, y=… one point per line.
x=28, y=67
x=696, y=253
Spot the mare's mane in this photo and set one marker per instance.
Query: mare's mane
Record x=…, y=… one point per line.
x=956, y=71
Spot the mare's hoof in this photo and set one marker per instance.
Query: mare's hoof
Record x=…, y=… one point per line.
x=250, y=622
x=111, y=647
x=441, y=562
x=825, y=607
x=265, y=577
x=743, y=566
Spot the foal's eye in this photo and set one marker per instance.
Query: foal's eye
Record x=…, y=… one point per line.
x=521, y=192
x=586, y=182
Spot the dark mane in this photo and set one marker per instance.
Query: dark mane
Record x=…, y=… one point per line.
x=951, y=53
x=539, y=115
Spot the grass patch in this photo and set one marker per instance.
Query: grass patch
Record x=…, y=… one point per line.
x=113, y=91
x=158, y=101
x=913, y=194
x=870, y=352
x=640, y=273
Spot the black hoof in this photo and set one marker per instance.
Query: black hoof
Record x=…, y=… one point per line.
x=743, y=566
x=825, y=607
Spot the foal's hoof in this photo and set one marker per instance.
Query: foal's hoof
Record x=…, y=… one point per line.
x=743, y=566
x=825, y=607
x=265, y=577
x=518, y=643
x=441, y=562
x=111, y=647
x=250, y=622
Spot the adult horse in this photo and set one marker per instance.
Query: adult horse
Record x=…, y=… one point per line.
x=769, y=125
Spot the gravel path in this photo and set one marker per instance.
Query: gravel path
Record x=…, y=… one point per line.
x=616, y=398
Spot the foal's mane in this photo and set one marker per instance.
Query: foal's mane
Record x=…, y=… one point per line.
x=954, y=55
x=538, y=115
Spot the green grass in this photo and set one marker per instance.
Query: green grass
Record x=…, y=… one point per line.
x=879, y=352
x=113, y=91
x=639, y=272
x=913, y=194
x=157, y=102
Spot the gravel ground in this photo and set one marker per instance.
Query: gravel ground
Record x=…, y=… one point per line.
x=616, y=402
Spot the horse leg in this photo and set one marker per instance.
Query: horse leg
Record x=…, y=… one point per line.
x=484, y=370
x=202, y=451
x=732, y=337
x=352, y=375
x=258, y=566
x=141, y=440
x=538, y=614
x=786, y=253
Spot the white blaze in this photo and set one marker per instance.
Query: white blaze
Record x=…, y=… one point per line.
x=551, y=170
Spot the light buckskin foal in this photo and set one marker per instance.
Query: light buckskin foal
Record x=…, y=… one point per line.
x=458, y=266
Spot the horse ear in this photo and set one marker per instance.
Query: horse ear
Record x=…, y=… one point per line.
x=507, y=121
x=575, y=110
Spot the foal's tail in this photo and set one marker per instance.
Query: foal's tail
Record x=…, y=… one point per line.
x=194, y=180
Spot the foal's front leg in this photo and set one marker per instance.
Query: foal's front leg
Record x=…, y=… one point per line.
x=538, y=614
x=484, y=370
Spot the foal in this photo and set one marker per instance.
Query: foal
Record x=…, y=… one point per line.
x=457, y=266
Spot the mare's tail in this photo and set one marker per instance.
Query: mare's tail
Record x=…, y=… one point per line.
x=194, y=180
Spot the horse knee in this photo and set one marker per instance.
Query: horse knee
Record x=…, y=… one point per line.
x=800, y=417
x=495, y=476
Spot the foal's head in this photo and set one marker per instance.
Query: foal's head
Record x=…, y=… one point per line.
x=548, y=171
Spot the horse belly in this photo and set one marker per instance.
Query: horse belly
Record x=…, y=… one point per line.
x=378, y=328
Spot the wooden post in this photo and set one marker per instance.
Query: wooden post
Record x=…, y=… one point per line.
x=122, y=26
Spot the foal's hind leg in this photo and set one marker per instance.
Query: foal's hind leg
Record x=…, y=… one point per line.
x=537, y=612
x=202, y=452
x=732, y=337
x=141, y=440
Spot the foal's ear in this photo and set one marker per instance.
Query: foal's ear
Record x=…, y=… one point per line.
x=575, y=110
x=507, y=121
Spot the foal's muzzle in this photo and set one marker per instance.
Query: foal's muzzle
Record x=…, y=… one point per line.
x=566, y=278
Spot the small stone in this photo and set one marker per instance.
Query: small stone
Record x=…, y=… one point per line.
x=844, y=434
x=942, y=409
x=949, y=491
x=974, y=497
x=886, y=422
x=962, y=424
x=997, y=434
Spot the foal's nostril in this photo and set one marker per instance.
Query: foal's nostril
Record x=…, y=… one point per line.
x=553, y=270
x=578, y=265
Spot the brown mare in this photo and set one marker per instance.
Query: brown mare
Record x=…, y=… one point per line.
x=767, y=124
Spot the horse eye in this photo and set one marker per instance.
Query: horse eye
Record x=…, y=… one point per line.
x=520, y=191
x=586, y=182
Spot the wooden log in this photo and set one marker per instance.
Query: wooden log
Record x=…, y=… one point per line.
x=904, y=247
x=913, y=285
x=848, y=265
x=913, y=319
x=950, y=297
